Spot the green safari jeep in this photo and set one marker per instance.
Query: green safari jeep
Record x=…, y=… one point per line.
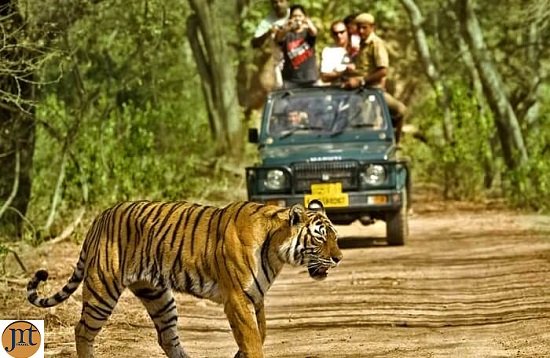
x=335, y=145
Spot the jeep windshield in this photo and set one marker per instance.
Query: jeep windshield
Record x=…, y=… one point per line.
x=323, y=112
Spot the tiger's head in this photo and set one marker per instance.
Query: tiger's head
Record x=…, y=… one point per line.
x=313, y=240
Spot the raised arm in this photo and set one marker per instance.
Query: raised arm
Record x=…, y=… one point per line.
x=312, y=30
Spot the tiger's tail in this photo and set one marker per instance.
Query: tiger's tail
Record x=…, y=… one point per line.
x=60, y=296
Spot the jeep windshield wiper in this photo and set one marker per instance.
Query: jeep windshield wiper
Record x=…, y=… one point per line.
x=362, y=125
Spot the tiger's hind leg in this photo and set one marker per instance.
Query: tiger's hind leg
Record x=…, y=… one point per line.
x=99, y=300
x=161, y=306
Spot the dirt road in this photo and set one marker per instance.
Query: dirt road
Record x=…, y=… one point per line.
x=468, y=283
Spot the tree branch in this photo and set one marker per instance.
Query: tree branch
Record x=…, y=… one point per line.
x=15, y=186
x=66, y=233
x=511, y=137
x=430, y=69
x=57, y=193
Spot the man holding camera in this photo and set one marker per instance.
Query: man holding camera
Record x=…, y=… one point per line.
x=297, y=40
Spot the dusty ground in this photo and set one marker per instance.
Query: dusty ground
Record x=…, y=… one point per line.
x=470, y=282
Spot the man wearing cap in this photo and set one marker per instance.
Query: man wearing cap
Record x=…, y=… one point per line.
x=371, y=68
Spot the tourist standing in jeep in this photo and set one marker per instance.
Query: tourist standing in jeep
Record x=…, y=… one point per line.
x=297, y=40
x=335, y=58
x=371, y=68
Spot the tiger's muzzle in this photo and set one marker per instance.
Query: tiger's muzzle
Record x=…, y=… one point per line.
x=318, y=269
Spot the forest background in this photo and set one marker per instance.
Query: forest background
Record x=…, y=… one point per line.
x=109, y=100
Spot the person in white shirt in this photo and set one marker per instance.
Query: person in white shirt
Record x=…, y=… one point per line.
x=267, y=30
x=335, y=59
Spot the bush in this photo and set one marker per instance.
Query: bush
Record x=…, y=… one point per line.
x=462, y=169
x=131, y=153
x=529, y=186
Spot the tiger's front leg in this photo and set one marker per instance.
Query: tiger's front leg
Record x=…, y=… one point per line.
x=260, y=319
x=240, y=313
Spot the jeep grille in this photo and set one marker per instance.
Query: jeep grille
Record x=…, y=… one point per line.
x=305, y=174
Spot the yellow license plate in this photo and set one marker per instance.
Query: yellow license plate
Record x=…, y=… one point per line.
x=330, y=195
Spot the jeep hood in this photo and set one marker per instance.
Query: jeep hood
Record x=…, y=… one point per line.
x=281, y=155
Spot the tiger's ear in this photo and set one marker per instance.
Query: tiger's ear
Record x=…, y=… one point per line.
x=316, y=205
x=297, y=214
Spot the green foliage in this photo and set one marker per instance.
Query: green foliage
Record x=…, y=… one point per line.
x=150, y=154
x=529, y=186
x=130, y=153
x=533, y=185
x=119, y=95
x=471, y=169
x=460, y=169
x=123, y=106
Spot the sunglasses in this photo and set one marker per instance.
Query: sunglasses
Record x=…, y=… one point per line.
x=338, y=32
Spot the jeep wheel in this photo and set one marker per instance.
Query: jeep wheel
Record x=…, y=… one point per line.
x=397, y=223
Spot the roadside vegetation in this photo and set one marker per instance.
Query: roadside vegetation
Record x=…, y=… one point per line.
x=112, y=100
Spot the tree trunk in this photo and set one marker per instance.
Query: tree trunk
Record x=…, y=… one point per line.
x=487, y=155
x=430, y=69
x=536, y=35
x=216, y=65
x=17, y=122
x=511, y=138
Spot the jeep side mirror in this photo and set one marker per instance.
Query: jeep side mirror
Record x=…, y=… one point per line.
x=253, y=136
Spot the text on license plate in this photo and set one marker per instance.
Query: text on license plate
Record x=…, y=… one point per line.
x=329, y=194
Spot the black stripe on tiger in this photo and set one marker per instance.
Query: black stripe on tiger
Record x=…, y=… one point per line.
x=149, y=293
x=256, y=282
x=193, y=230
x=169, y=306
x=100, y=311
x=159, y=251
x=93, y=314
x=98, y=297
x=125, y=222
x=149, y=259
x=181, y=220
x=216, y=214
x=177, y=265
x=265, y=258
x=256, y=210
x=146, y=240
x=90, y=328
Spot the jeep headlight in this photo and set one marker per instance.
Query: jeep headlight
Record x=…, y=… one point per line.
x=374, y=174
x=275, y=179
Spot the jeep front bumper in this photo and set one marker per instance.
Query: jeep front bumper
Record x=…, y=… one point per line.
x=358, y=202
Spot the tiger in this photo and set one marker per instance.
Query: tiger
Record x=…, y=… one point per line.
x=230, y=255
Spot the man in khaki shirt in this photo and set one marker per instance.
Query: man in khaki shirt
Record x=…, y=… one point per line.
x=371, y=68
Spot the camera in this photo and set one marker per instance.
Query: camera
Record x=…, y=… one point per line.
x=294, y=25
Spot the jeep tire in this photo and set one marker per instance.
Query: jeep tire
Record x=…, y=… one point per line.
x=397, y=223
